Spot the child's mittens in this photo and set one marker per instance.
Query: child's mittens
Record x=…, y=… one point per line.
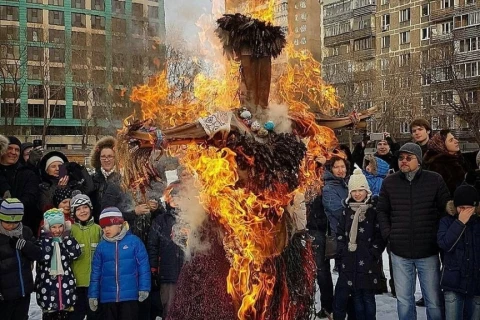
x=142, y=296
x=17, y=243
x=93, y=303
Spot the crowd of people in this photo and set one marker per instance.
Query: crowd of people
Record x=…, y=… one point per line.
x=97, y=255
x=420, y=202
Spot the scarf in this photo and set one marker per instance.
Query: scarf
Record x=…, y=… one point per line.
x=411, y=175
x=17, y=232
x=360, y=209
x=119, y=236
x=56, y=268
x=105, y=173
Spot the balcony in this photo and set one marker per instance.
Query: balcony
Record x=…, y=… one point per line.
x=368, y=9
x=364, y=54
x=439, y=38
x=340, y=38
x=438, y=14
x=363, y=33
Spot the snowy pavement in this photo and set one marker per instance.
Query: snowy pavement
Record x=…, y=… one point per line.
x=386, y=305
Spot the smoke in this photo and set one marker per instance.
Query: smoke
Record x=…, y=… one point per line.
x=278, y=113
x=190, y=219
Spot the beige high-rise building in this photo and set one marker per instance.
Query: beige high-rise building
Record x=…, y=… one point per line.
x=410, y=58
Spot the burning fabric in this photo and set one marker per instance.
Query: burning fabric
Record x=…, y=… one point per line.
x=252, y=176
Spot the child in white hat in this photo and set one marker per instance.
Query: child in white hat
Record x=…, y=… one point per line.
x=359, y=247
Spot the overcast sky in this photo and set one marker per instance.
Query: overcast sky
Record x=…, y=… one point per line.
x=183, y=14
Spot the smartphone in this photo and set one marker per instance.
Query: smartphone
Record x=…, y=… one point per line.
x=377, y=136
x=37, y=143
x=62, y=171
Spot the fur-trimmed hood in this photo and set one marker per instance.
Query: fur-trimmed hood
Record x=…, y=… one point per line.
x=451, y=210
x=3, y=144
x=105, y=142
x=379, y=166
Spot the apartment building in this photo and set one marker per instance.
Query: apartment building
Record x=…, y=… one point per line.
x=68, y=64
x=349, y=48
x=421, y=55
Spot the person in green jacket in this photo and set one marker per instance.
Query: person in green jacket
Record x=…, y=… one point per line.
x=88, y=234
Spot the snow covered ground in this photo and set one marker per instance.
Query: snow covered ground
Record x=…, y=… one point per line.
x=386, y=304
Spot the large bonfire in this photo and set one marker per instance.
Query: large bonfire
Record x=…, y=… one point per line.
x=253, y=162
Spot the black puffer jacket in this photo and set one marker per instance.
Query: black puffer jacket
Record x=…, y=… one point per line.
x=409, y=212
x=23, y=184
x=16, y=279
x=100, y=184
x=316, y=217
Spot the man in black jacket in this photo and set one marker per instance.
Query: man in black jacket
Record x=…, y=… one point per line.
x=19, y=181
x=411, y=203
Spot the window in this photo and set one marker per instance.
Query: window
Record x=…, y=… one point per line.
x=34, y=73
x=405, y=15
x=137, y=27
x=35, y=110
x=362, y=3
x=35, y=92
x=137, y=10
x=78, y=20
x=79, y=75
x=467, y=45
x=384, y=63
x=35, y=1
x=34, y=15
x=57, y=93
x=56, y=18
x=98, y=5
x=118, y=7
x=8, y=33
x=471, y=97
x=34, y=34
x=79, y=38
x=56, y=36
x=98, y=59
x=8, y=13
x=363, y=22
x=446, y=4
x=404, y=127
x=57, y=111
x=385, y=22
x=80, y=112
x=446, y=28
x=384, y=2
x=119, y=25
x=362, y=44
x=426, y=80
x=425, y=33
x=98, y=22
x=471, y=69
x=386, y=42
x=153, y=12
x=11, y=91
x=55, y=2
x=78, y=4
x=425, y=10
x=35, y=53
x=57, y=74
x=57, y=55
x=98, y=41
x=405, y=37
x=10, y=110
x=98, y=76
x=470, y=2
x=153, y=29
x=405, y=82
x=404, y=59
x=79, y=58
x=466, y=20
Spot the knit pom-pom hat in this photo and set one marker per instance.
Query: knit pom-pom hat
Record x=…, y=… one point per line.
x=52, y=217
x=358, y=182
x=110, y=216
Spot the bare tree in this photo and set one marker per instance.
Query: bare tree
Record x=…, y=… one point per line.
x=451, y=86
x=13, y=62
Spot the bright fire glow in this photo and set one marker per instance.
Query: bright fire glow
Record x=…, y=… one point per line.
x=255, y=224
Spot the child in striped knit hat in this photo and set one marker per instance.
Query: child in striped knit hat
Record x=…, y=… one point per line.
x=17, y=252
x=118, y=287
x=55, y=283
x=88, y=235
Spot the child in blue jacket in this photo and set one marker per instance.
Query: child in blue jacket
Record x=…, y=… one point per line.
x=120, y=269
x=459, y=238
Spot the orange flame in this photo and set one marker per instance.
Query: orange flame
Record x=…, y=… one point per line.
x=255, y=225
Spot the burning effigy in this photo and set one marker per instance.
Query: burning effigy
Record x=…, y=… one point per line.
x=253, y=161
